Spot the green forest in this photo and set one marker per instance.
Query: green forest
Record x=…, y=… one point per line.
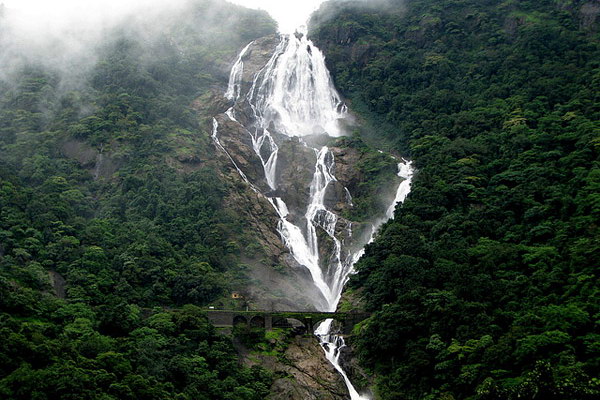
x=486, y=284
x=115, y=237
x=108, y=185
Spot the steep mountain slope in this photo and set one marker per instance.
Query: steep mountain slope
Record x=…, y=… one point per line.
x=112, y=214
x=121, y=204
x=485, y=286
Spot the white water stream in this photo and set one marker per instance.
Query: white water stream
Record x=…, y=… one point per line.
x=293, y=95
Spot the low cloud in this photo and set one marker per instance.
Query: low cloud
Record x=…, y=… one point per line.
x=62, y=36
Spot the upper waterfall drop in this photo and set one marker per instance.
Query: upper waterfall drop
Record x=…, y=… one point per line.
x=294, y=92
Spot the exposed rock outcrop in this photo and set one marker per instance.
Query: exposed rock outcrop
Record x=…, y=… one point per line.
x=303, y=372
x=362, y=381
x=238, y=143
x=295, y=172
x=58, y=283
x=99, y=163
x=589, y=15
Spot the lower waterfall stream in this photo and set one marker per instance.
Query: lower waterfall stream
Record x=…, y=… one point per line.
x=332, y=343
x=292, y=96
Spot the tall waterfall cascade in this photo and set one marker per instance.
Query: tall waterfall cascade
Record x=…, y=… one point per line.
x=292, y=98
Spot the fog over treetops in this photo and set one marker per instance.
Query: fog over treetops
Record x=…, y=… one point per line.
x=67, y=36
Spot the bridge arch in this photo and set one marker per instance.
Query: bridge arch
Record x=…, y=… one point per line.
x=240, y=320
x=290, y=323
x=258, y=321
x=281, y=322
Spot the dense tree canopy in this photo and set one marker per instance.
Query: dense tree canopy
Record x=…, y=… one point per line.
x=485, y=286
x=107, y=184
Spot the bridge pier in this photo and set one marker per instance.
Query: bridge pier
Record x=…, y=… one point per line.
x=309, y=324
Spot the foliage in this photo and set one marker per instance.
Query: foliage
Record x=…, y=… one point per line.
x=108, y=184
x=250, y=336
x=371, y=191
x=485, y=286
x=62, y=350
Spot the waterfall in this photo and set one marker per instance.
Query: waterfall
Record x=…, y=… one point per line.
x=294, y=91
x=215, y=137
x=293, y=96
x=331, y=343
x=405, y=171
x=235, y=77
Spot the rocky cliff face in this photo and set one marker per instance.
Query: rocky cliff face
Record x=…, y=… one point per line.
x=303, y=372
x=276, y=281
x=589, y=15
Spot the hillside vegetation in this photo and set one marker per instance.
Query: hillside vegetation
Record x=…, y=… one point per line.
x=107, y=183
x=486, y=285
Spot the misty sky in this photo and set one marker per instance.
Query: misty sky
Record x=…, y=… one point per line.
x=289, y=13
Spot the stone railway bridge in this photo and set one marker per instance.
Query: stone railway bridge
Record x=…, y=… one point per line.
x=279, y=319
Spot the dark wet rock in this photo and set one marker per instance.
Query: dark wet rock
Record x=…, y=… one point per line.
x=99, y=163
x=360, y=379
x=589, y=15
x=58, y=283
x=238, y=144
x=295, y=170
x=346, y=160
x=211, y=103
